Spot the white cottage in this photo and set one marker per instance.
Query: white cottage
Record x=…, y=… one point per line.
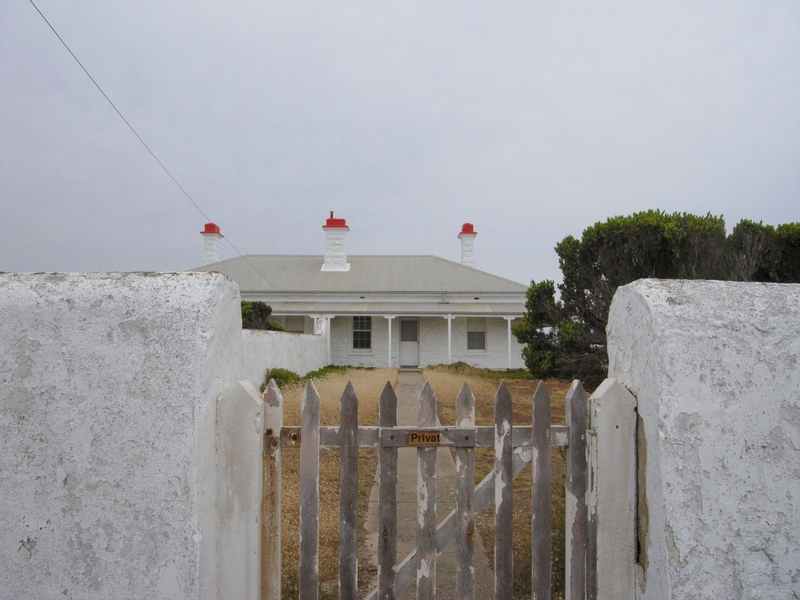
x=407, y=311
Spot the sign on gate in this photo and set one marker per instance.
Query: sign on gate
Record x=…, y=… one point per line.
x=423, y=438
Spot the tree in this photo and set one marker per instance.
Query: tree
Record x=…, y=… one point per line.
x=255, y=315
x=787, y=251
x=567, y=338
x=752, y=254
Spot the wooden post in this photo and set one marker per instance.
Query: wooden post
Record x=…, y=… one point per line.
x=542, y=520
x=613, y=489
x=503, y=495
x=387, y=502
x=426, y=501
x=465, y=495
x=348, y=494
x=309, y=493
x=577, y=522
x=271, y=497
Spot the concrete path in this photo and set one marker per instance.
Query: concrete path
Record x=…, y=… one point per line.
x=408, y=390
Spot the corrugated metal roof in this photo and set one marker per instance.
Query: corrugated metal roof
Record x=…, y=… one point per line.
x=367, y=274
x=478, y=309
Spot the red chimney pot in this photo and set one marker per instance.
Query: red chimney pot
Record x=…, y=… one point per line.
x=334, y=223
x=211, y=228
x=468, y=228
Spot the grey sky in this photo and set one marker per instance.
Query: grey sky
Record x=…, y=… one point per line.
x=531, y=120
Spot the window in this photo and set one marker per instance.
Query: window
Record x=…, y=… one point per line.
x=295, y=323
x=476, y=333
x=408, y=331
x=362, y=333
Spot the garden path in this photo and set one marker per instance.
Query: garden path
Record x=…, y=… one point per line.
x=409, y=386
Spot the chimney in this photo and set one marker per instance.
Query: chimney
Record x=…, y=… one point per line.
x=335, y=245
x=467, y=237
x=211, y=238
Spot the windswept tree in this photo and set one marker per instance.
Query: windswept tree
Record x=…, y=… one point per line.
x=566, y=337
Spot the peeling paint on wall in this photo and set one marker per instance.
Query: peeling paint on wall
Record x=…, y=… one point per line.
x=714, y=368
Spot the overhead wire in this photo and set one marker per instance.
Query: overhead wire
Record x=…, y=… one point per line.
x=161, y=164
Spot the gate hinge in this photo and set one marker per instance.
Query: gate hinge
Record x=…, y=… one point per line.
x=271, y=441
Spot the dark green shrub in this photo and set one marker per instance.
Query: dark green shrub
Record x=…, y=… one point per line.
x=255, y=315
x=566, y=337
x=282, y=377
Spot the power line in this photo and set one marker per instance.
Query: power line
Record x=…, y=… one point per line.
x=138, y=137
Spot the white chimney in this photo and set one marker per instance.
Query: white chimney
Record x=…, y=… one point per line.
x=467, y=237
x=335, y=245
x=211, y=238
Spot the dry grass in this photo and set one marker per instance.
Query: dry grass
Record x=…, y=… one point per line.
x=368, y=385
x=447, y=382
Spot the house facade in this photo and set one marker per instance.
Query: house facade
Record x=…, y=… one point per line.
x=406, y=311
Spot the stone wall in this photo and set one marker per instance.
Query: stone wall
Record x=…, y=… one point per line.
x=109, y=385
x=715, y=367
x=298, y=352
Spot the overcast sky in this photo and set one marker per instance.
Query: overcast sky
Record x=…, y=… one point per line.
x=532, y=120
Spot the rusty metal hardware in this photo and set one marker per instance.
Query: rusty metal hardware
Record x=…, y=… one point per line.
x=271, y=442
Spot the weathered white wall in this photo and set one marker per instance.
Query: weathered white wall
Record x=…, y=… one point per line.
x=298, y=352
x=108, y=391
x=432, y=332
x=715, y=367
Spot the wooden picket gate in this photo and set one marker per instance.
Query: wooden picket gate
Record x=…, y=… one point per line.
x=514, y=445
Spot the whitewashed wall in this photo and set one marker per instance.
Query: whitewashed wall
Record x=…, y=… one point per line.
x=432, y=343
x=715, y=367
x=109, y=386
x=298, y=352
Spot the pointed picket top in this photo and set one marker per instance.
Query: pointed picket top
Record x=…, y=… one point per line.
x=575, y=390
x=309, y=394
x=465, y=407
x=388, y=406
x=349, y=393
x=272, y=395
x=503, y=405
x=427, y=406
x=541, y=392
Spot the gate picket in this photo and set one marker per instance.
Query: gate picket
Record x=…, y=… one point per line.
x=387, y=501
x=577, y=417
x=503, y=495
x=426, y=501
x=271, y=501
x=465, y=495
x=542, y=518
x=348, y=494
x=309, y=493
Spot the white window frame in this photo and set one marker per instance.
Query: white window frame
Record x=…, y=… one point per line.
x=477, y=325
x=368, y=320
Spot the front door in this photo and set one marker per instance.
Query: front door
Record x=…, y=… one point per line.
x=409, y=343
